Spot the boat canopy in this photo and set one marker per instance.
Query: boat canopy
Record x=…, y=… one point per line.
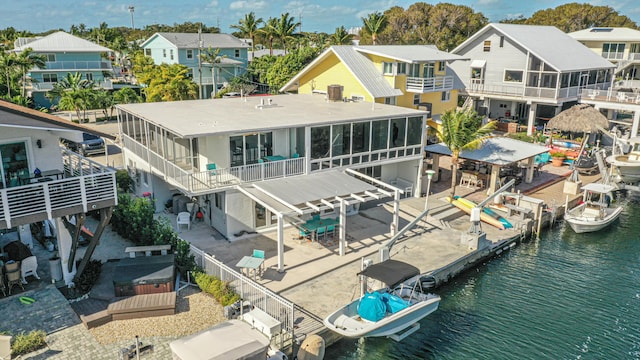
x=390, y=272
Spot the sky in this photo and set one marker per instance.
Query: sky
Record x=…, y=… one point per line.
x=316, y=15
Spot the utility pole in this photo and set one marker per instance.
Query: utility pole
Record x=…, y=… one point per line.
x=131, y=9
x=200, y=62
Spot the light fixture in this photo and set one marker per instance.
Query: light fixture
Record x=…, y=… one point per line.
x=430, y=174
x=39, y=143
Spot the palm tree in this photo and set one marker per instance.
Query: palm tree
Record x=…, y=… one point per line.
x=27, y=60
x=374, y=24
x=341, y=37
x=285, y=29
x=70, y=83
x=269, y=32
x=462, y=130
x=7, y=66
x=249, y=27
x=126, y=96
x=212, y=57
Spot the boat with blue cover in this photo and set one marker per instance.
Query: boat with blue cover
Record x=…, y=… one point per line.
x=389, y=310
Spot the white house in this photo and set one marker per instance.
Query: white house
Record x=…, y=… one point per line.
x=526, y=73
x=257, y=162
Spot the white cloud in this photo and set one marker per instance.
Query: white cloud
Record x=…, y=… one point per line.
x=488, y=2
x=248, y=5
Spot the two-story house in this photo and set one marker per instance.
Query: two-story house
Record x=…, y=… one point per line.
x=620, y=46
x=42, y=181
x=412, y=76
x=65, y=54
x=185, y=49
x=527, y=74
x=253, y=163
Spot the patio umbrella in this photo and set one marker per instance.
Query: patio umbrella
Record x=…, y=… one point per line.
x=579, y=118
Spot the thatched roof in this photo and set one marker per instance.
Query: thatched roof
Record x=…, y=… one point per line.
x=579, y=118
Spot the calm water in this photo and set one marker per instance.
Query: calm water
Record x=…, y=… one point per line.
x=565, y=296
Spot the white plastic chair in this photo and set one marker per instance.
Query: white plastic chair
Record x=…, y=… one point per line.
x=184, y=218
x=28, y=267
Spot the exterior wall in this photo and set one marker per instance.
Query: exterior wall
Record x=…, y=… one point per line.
x=214, y=149
x=240, y=212
x=157, y=44
x=596, y=46
x=329, y=72
x=48, y=157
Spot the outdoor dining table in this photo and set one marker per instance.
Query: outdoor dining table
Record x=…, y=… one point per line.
x=251, y=263
x=313, y=225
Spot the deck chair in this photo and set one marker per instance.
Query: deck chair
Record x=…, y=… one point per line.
x=29, y=267
x=260, y=255
x=5, y=347
x=184, y=218
x=331, y=230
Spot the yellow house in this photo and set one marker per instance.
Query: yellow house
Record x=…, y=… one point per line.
x=412, y=76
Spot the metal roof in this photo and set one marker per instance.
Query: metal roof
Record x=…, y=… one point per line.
x=409, y=53
x=61, y=41
x=191, y=40
x=548, y=43
x=195, y=118
x=495, y=151
x=606, y=34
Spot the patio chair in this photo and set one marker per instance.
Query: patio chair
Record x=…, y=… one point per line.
x=260, y=255
x=184, y=218
x=331, y=230
x=321, y=232
x=13, y=275
x=29, y=267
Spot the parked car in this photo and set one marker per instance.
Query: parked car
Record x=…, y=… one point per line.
x=89, y=144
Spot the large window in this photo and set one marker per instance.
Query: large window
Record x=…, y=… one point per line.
x=50, y=57
x=248, y=149
x=320, y=142
x=613, y=50
x=360, y=137
x=428, y=71
x=415, y=130
x=15, y=165
x=414, y=70
x=398, y=132
x=50, y=77
x=379, y=134
x=513, y=75
x=341, y=143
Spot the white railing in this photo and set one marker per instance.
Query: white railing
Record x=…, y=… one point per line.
x=77, y=65
x=213, y=179
x=46, y=86
x=633, y=56
x=622, y=97
x=438, y=83
x=364, y=158
x=531, y=92
x=613, y=55
x=87, y=185
x=259, y=296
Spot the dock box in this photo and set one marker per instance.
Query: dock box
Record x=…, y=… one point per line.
x=144, y=275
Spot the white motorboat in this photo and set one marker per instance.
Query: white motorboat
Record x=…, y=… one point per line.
x=628, y=165
x=390, y=310
x=593, y=213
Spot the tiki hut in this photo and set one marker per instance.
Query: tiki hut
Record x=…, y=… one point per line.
x=581, y=118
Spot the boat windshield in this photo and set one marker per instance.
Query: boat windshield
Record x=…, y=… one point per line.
x=390, y=272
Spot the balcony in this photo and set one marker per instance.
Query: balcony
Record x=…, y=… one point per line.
x=106, y=84
x=527, y=92
x=431, y=84
x=205, y=181
x=86, y=185
x=77, y=65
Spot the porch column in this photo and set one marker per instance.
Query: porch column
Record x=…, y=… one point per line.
x=532, y=118
x=64, y=249
x=636, y=121
x=343, y=227
x=435, y=166
x=396, y=213
x=530, y=165
x=280, y=242
x=493, y=180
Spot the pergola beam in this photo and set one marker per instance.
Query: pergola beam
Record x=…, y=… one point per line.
x=313, y=206
x=358, y=197
x=328, y=203
x=373, y=195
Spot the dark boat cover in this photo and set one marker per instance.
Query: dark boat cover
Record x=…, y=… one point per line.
x=390, y=272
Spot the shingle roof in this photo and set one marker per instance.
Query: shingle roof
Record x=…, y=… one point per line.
x=61, y=41
x=191, y=40
x=606, y=34
x=559, y=50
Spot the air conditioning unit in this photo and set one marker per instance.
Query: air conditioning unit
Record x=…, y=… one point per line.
x=334, y=92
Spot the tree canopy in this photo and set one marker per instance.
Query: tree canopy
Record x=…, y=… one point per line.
x=574, y=16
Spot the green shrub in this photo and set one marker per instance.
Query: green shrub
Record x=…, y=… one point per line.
x=89, y=276
x=124, y=181
x=26, y=343
x=220, y=290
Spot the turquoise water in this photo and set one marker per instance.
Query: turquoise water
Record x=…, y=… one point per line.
x=565, y=296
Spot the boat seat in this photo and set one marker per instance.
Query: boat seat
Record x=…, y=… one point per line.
x=346, y=322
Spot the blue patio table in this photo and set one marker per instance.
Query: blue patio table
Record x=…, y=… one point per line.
x=274, y=158
x=251, y=263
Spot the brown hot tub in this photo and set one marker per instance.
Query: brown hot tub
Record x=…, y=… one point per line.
x=144, y=275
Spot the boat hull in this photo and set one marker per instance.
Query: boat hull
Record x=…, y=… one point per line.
x=346, y=322
x=628, y=168
x=583, y=223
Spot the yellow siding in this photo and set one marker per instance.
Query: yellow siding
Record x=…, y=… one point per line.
x=329, y=72
x=595, y=46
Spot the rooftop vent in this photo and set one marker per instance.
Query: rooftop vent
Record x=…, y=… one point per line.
x=334, y=92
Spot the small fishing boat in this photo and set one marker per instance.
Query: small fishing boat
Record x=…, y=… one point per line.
x=387, y=311
x=628, y=165
x=593, y=213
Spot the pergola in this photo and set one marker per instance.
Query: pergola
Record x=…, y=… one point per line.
x=289, y=198
x=495, y=151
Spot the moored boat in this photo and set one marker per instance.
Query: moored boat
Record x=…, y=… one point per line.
x=594, y=213
x=389, y=310
x=628, y=165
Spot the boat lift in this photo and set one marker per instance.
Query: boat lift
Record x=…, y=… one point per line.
x=475, y=228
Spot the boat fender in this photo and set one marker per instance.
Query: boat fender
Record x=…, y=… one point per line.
x=428, y=282
x=27, y=300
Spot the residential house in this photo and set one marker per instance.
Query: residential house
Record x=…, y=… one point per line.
x=253, y=163
x=65, y=54
x=185, y=49
x=526, y=74
x=42, y=181
x=620, y=46
x=412, y=76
